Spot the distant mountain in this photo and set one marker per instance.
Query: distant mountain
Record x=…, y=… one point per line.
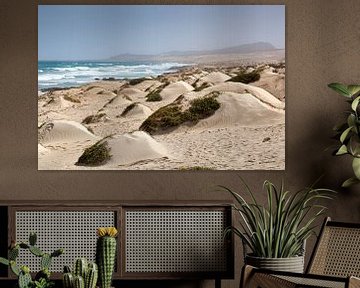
x=239, y=49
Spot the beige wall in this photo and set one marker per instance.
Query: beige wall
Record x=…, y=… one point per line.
x=322, y=46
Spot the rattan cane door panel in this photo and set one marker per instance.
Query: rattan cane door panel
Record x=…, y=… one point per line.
x=175, y=241
x=75, y=231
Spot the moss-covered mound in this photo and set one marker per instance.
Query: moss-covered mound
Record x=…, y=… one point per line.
x=203, y=107
x=96, y=155
x=155, y=94
x=172, y=115
x=164, y=118
x=246, y=78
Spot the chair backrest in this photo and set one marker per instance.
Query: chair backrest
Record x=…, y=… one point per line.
x=337, y=251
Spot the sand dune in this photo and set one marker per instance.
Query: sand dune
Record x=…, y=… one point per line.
x=147, y=84
x=273, y=83
x=139, y=110
x=63, y=131
x=241, y=110
x=241, y=88
x=133, y=93
x=50, y=115
x=215, y=78
x=134, y=147
x=118, y=101
x=174, y=90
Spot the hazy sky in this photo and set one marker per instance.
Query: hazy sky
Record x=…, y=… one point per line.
x=79, y=32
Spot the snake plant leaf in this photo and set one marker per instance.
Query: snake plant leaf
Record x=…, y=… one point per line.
x=349, y=182
x=353, y=89
x=342, y=150
x=345, y=134
x=356, y=167
x=355, y=103
x=340, y=88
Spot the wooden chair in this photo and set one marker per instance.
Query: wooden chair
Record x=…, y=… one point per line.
x=335, y=262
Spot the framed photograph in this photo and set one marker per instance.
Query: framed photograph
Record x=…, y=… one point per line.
x=161, y=87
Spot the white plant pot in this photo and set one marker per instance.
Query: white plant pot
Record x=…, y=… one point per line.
x=291, y=264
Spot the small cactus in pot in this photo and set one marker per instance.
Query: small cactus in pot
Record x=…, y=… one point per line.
x=106, y=254
x=85, y=275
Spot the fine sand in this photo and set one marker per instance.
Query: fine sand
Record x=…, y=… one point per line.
x=246, y=132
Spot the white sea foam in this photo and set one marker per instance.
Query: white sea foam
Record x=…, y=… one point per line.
x=78, y=68
x=79, y=73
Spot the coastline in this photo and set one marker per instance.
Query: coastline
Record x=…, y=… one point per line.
x=247, y=132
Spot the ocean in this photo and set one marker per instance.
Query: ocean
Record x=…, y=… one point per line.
x=76, y=73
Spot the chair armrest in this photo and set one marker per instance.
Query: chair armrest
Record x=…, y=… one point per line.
x=354, y=282
x=255, y=277
x=252, y=277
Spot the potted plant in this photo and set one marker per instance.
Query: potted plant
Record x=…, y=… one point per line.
x=276, y=233
x=84, y=274
x=348, y=132
x=42, y=278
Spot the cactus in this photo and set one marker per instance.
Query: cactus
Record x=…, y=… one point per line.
x=105, y=255
x=57, y=252
x=4, y=261
x=14, y=268
x=32, y=239
x=24, y=278
x=67, y=269
x=79, y=282
x=36, y=251
x=68, y=280
x=24, y=246
x=80, y=267
x=45, y=261
x=13, y=253
x=44, y=273
x=90, y=272
x=91, y=276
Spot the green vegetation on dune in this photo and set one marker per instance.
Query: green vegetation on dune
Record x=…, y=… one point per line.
x=155, y=94
x=166, y=117
x=95, y=155
x=171, y=116
x=245, y=77
x=204, y=107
